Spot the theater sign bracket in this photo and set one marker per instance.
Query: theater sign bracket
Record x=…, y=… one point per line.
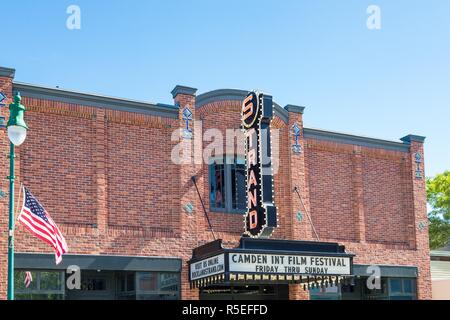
x=261, y=217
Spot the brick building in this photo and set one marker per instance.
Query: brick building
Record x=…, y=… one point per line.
x=103, y=169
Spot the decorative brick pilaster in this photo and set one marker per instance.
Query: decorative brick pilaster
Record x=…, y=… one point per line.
x=358, y=195
x=185, y=99
x=99, y=157
x=416, y=156
x=301, y=226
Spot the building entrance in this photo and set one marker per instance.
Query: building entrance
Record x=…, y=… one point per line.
x=245, y=292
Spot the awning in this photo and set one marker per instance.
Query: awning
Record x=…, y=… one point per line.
x=386, y=271
x=314, y=264
x=97, y=262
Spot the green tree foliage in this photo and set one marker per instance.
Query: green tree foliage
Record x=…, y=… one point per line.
x=438, y=196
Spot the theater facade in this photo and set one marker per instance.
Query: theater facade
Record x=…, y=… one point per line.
x=319, y=215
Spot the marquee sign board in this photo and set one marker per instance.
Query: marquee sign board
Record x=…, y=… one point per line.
x=261, y=217
x=266, y=260
x=289, y=264
x=208, y=267
x=271, y=264
x=246, y=263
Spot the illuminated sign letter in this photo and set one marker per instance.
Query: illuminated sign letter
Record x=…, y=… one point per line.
x=261, y=217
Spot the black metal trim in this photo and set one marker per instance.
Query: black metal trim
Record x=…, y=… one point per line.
x=345, y=138
x=193, y=178
x=97, y=262
x=393, y=271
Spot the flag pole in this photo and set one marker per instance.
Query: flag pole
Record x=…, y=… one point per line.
x=18, y=201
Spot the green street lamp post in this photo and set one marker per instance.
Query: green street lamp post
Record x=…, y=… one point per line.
x=17, y=132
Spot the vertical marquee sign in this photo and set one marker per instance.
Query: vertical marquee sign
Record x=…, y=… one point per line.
x=261, y=217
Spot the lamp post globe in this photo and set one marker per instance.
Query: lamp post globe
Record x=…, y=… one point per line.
x=17, y=135
x=16, y=127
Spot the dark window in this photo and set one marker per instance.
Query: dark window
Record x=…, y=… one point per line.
x=19, y=281
x=238, y=185
x=391, y=289
x=158, y=286
x=126, y=284
x=328, y=293
x=147, y=281
x=408, y=286
x=375, y=294
x=217, y=180
x=227, y=184
x=402, y=289
x=51, y=281
x=130, y=281
x=93, y=284
x=396, y=286
x=46, y=285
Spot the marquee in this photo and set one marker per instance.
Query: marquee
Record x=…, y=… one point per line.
x=265, y=261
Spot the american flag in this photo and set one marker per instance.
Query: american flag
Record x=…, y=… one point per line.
x=37, y=220
x=28, y=279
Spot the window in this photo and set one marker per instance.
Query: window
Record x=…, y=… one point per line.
x=50, y=280
x=402, y=289
x=217, y=180
x=391, y=289
x=126, y=283
x=375, y=294
x=94, y=284
x=158, y=286
x=46, y=285
x=325, y=293
x=227, y=184
x=395, y=286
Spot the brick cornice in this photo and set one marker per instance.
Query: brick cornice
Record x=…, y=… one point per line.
x=148, y=232
x=225, y=106
x=58, y=108
x=84, y=112
x=141, y=120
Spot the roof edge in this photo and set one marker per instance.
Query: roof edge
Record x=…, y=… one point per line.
x=352, y=139
x=7, y=72
x=237, y=95
x=94, y=100
x=183, y=90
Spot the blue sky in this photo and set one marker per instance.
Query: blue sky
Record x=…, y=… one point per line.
x=384, y=83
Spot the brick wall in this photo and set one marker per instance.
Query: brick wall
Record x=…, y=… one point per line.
x=384, y=200
x=56, y=161
x=109, y=167
x=330, y=184
x=138, y=168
